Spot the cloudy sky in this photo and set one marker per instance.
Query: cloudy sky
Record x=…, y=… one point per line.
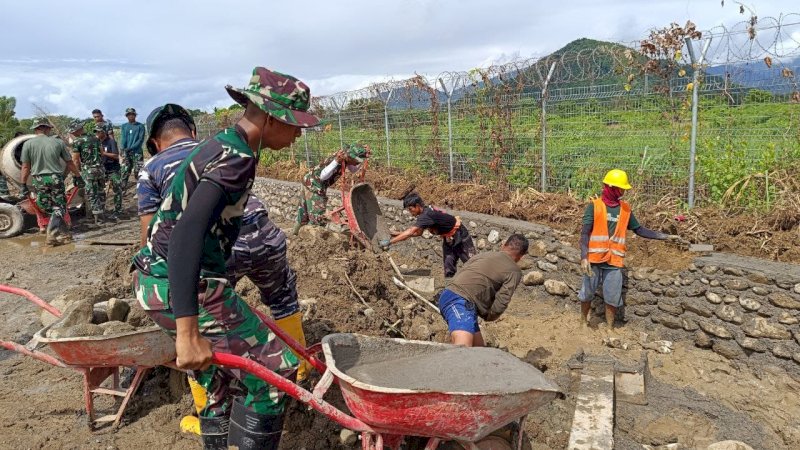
x=69, y=57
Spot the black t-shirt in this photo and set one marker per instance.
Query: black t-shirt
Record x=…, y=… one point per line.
x=435, y=220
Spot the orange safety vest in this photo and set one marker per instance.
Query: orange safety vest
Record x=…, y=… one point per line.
x=602, y=247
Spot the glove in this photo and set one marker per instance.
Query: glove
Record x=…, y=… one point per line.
x=586, y=268
x=384, y=244
x=78, y=182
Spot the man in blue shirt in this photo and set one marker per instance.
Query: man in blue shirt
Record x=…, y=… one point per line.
x=131, y=141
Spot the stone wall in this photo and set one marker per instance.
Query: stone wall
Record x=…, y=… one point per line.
x=741, y=308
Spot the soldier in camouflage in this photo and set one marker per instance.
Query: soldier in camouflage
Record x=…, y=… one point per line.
x=87, y=156
x=181, y=277
x=313, y=196
x=43, y=159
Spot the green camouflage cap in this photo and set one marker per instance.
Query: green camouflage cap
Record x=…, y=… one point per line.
x=41, y=122
x=162, y=114
x=357, y=152
x=75, y=125
x=130, y=111
x=283, y=97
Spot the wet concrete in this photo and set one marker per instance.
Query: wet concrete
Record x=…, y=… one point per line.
x=391, y=364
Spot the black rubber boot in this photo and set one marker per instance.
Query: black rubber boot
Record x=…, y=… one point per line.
x=214, y=431
x=251, y=430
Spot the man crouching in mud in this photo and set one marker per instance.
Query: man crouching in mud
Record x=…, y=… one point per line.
x=181, y=275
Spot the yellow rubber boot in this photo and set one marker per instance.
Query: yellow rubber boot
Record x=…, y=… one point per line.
x=191, y=424
x=293, y=326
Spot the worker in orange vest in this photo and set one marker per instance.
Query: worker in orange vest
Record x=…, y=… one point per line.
x=605, y=223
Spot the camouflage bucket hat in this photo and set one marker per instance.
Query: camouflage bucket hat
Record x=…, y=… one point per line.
x=162, y=114
x=357, y=152
x=75, y=125
x=283, y=97
x=101, y=126
x=41, y=122
x=130, y=111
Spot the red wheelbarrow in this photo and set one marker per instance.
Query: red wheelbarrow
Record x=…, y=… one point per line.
x=386, y=415
x=98, y=358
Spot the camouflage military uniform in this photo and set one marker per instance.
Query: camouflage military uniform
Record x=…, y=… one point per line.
x=260, y=254
x=224, y=318
x=88, y=148
x=313, y=196
x=50, y=197
x=45, y=156
x=3, y=186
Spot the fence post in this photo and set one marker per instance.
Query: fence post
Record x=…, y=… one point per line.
x=305, y=142
x=449, y=128
x=544, y=127
x=697, y=66
x=386, y=124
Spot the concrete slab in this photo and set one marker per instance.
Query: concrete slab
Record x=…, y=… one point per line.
x=423, y=285
x=701, y=248
x=630, y=388
x=593, y=423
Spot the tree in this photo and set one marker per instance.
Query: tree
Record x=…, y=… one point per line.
x=8, y=123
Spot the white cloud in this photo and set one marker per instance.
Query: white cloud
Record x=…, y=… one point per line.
x=96, y=54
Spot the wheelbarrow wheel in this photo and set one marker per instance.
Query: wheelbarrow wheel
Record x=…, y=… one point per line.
x=11, y=221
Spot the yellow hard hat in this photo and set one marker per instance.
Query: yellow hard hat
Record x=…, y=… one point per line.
x=618, y=178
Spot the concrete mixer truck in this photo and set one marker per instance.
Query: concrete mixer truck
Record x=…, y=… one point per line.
x=18, y=214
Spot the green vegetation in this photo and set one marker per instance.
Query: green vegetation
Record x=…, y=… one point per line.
x=639, y=132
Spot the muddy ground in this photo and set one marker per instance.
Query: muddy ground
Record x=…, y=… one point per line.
x=696, y=397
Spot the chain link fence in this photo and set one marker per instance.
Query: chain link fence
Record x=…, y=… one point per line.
x=558, y=123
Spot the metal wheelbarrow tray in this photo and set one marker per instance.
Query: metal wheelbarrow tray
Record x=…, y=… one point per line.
x=470, y=393
x=361, y=213
x=98, y=358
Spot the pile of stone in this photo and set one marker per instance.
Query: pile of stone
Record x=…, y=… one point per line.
x=83, y=318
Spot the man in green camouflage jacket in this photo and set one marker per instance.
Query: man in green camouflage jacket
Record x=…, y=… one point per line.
x=313, y=196
x=181, y=278
x=86, y=154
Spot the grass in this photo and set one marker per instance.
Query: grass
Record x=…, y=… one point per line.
x=643, y=134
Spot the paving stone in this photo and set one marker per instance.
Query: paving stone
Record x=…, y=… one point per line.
x=759, y=327
x=728, y=314
x=702, y=340
x=715, y=330
x=783, y=300
x=749, y=304
x=728, y=349
x=697, y=308
x=736, y=284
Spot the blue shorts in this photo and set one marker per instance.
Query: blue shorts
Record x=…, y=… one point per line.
x=458, y=312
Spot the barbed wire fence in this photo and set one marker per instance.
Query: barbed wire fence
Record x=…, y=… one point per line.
x=557, y=123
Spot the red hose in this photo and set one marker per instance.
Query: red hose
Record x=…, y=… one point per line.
x=293, y=390
x=32, y=298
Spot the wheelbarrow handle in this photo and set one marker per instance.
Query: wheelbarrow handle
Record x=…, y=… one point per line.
x=44, y=357
x=293, y=390
x=32, y=298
